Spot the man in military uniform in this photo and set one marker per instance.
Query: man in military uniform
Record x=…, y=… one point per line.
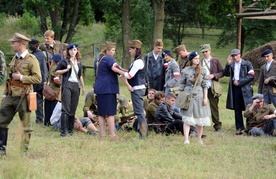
x=183, y=54
x=24, y=72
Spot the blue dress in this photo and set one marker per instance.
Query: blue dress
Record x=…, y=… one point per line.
x=106, y=87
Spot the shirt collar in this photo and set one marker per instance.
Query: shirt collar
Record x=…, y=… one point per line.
x=23, y=55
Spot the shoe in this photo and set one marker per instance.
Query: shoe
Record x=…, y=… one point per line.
x=186, y=142
x=217, y=129
x=193, y=134
x=239, y=132
x=92, y=133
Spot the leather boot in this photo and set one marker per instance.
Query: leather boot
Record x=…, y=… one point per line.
x=71, y=122
x=3, y=140
x=63, y=125
x=143, y=130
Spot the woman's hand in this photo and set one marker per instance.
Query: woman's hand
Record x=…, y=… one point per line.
x=130, y=88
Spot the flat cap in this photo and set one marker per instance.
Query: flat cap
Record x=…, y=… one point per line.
x=20, y=38
x=235, y=52
x=57, y=57
x=205, y=47
x=192, y=55
x=179, y=48
x=266, y=51
x=258, y=96
x=33, y=42
x=135, y=43
x=72, y=45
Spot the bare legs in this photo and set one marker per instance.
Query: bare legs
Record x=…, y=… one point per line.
x=186, y=129
x=111, y=125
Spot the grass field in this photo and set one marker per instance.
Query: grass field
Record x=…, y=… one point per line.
x=224, y=155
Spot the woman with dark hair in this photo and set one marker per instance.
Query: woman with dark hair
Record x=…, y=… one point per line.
x=106, y=88
x=136, y=85
x=70, y=67
x=194, y=81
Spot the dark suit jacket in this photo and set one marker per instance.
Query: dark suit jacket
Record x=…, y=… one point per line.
x=264, y=74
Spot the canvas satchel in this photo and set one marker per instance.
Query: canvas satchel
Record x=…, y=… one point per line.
x=216, y=88
x=183, y=100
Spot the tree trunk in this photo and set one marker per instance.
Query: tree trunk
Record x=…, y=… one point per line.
x=43, y=23
x=71, y=30
x=126, y=32
x=55, y=19
x=65, y=21
x=159, y=14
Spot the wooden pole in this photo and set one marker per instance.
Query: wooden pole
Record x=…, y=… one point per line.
x=239, y=27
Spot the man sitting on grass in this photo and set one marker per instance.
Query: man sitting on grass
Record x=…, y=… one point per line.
x=260, y=117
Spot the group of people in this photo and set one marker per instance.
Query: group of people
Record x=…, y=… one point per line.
x=157, y=75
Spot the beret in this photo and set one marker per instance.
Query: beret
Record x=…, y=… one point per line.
x=72, y=45
x=258, y=96
x=192, y=55
x=235, y=52
x=57, y=57
x=266, y=51
x=135, y=43
x=205, y=47
x=167, y=52
x=33, y=41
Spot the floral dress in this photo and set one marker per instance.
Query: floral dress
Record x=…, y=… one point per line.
x=197, y=114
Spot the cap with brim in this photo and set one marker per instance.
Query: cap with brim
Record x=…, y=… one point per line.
x=20, y=38
x=258, y=96
x=205, y=47
x=235, y=52
x=266, y=51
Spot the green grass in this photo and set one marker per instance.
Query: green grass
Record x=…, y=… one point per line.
x=225, y=155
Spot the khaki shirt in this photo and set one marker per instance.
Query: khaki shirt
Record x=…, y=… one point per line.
x=29, y=69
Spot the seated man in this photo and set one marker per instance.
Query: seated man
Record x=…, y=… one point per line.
x=90, y=108
x=260, y=117
x=149, y=98
x=159, y=97
x=125, y=112
x=165, y=114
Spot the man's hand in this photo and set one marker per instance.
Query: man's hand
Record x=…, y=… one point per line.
x=16, y=75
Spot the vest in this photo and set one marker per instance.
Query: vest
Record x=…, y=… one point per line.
x=139, y=77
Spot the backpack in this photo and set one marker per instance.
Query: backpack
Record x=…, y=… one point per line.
x=3, y=68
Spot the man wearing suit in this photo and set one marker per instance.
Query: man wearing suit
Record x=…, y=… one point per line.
x=214, y=72
x=240, y=92
x=267, y=78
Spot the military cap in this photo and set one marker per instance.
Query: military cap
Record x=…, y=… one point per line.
x=72, y=45
x=179, y=48
x=266, y=51
x=205, y=47
x=135, y=43
x=20, y=38
x=33, y=42
x=57, y=57
x=235, y=52
x=109, y=45
x=258, y=96
x=192, y=55
x=123, y=101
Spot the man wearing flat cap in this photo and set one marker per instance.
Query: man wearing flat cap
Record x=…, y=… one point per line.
x=267, y=78
x=260, y=117
x=24, y=72
x=34, y=47
x=214, y=71
x=182, y=52
x=239, y=95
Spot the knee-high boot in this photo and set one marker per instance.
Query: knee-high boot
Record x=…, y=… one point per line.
x=71, y=122
x=63, y=125
x=3, y=140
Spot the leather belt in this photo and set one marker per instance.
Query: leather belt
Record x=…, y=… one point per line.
x=21, y=85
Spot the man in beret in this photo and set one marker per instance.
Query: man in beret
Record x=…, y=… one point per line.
x=241, y=75
x=24, y=71
x=183, y=54
x=38, y=88
x=154, y=66
x=260, y=117
x=214, y=71
x=267, y=83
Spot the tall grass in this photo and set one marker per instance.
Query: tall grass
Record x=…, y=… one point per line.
x=224, y=155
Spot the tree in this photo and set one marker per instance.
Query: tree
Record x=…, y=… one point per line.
x=159, y=14
x=126, y=32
